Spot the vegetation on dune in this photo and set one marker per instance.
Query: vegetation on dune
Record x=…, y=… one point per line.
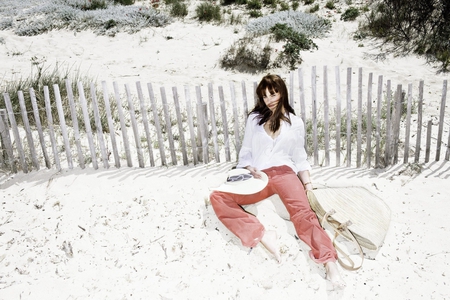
x=419, y=27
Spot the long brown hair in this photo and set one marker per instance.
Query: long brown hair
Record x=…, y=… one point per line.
x=274, y=84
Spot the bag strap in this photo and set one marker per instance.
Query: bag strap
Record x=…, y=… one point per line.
x=339, y=228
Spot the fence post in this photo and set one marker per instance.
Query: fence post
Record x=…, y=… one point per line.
x=314, y=115
x=408, y=124
x=338, y=116
x=441, y=120
x=6, y=142
x=419, y=123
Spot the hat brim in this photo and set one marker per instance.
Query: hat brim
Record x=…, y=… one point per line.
x=246, y=187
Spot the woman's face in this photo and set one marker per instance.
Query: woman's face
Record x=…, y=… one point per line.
x=271, y=100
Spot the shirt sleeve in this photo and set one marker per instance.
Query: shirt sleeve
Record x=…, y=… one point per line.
x=245, y=154
x=299, y=157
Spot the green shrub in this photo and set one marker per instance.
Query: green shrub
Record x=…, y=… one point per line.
x=247, y=55
x=178, y=9
x=350, y=14
x=124, y=2
x=295, y=42
x=314, y=8
x=307, y=2
x=255, y=13
x=330, y=4
x=295, y=4
x=271, y=3
x=254, y=4
x=284, y=6
x=208, y=12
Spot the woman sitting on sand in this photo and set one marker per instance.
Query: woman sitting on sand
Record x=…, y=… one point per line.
x=274, y=144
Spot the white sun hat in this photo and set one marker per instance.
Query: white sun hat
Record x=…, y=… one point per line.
x=242, y=182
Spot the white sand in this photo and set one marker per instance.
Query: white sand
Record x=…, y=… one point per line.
x=147, y=234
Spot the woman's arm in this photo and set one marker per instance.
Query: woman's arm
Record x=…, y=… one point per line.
x=305, y=178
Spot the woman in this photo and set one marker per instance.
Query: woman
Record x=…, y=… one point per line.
x=274, y=144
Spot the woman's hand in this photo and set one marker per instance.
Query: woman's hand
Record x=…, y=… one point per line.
x=254, y=171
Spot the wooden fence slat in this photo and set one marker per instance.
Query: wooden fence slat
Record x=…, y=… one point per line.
x=39, y=129
x=38, y=124
x=75, y=125
x=98, y=124
x=87, y=124
x=226, y=137
x=408, y=125
x=123, y=126
x=62, y=125
x=369, y=122
x=244, y=99
x=154, y=108
x=145, y=122
x=378, y=162
x=48, y=111
x=419, y=122
x=396, y=121
x=447, y=153
x=236, y=118
x=359, y=120
x=134, y=126
x=326, y=120
x=314, y=115
x=191, y=125
x=441, y=120
x=387, y=148
x=428, y=144
x=212, y=113
x=180, y=125
x=338, y=116
x=112, y=130
x=291, y=88
x=6, y=141
x=349, y=117
x=17, y=139
x=173, y=154
x=26, y=125
x=201, y=117
x=302, y=103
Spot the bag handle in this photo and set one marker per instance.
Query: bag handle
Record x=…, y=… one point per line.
x=339, y=228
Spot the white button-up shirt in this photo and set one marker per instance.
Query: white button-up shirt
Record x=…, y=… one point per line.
x=259, y=150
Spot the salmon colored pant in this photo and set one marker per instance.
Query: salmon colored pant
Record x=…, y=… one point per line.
x=284, y=182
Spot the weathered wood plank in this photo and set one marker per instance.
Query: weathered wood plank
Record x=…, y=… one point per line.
x=408, y=125
x=75, y=125
x=15, y=130
x=123, y=127
x=26, y=125
x=441, y=121
x=419, y=122
x=51, y=130
x=212, y=114
x=63, y=126
x=6, y=142
x=314, y=115
x=180, y=125
x=39, y=129
x=154, y=108
x=226, y=136
x=191, y=125
x=145, y=123
x=87, y=125
x=338, y=116
x=98, y=124
x=111, y=127
x=134, y=126
x=369, y=122
x=326, y=119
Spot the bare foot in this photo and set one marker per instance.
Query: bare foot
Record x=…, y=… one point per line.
x=334, y=276
x=269, y=240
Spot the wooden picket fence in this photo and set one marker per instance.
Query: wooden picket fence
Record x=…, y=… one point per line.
x=55, y=130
